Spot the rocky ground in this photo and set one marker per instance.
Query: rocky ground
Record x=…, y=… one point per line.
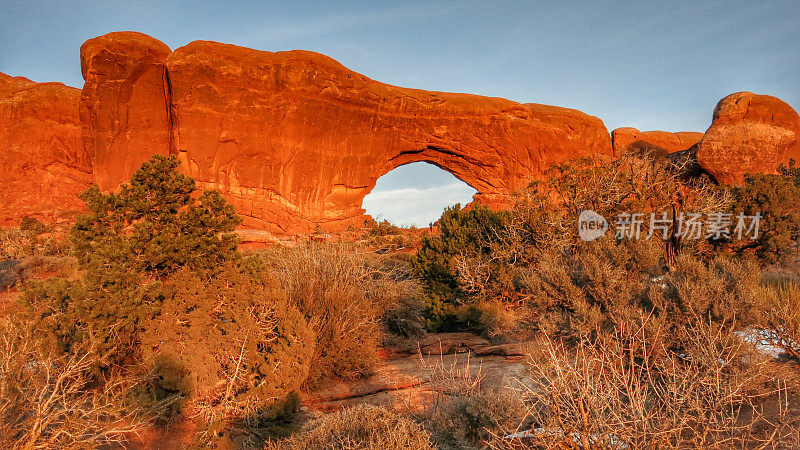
x=408, y=378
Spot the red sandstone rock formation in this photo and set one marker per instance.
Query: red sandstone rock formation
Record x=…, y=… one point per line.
x=125, y=103
x=295, y=139
x=750, y=133
x=43, y=167
x=622, y=138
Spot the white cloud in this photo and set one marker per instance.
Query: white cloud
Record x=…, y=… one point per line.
x=416, y=206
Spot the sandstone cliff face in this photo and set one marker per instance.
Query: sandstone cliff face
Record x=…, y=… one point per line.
x=296, y=139
x=622, y=138
x=124, y=104
x=43, y=167
x=750, y=133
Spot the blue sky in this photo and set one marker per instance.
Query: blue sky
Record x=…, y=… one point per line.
x=651, y=65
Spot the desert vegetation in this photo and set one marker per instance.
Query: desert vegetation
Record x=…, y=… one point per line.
x=656, y=342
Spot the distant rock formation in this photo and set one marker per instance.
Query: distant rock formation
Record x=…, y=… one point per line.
x=43, y=166
x=623, y=138
x=296, y=140
x=750, y=134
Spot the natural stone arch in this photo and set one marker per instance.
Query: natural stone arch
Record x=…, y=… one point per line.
x=296, y=140
x=483, y=177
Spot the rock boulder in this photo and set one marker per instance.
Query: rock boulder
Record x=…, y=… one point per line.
x=750, y=133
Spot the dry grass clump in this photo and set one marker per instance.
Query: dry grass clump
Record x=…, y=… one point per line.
x=461, y=413
x=622, y=391
x=33, y=249
x=360, y=427
x=475, y=420
x=19, y=271
x=343, y=293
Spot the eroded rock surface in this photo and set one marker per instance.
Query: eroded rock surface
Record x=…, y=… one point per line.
x=43, y=167
x=750, y=133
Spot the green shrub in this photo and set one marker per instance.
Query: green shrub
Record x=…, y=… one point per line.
x=360, y=427
x=151, y=228
x=74, y=314
x=129, y=243
x=165, y=295
x=463, y=233
x=232, y=344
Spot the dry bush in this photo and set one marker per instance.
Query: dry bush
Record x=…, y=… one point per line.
x=53, y=400
x=546, y=214
x=474, y=421
x=457, y=377
x=603, y=284
x=385, y=237
x=403, y=321
x=19, y=271
x=460, y=413
x=493, y=319
x=481, y=255
x=31, y=240
x=343, y=293
x=781, y=321
x=360, y=427
x=31, y=249
x=621, y=391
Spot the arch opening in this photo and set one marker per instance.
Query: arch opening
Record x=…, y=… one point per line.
x=415, y=194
